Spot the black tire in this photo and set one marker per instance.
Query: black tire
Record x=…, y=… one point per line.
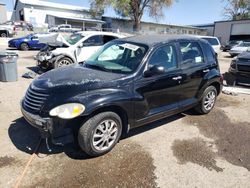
x=90, y=128
x=65, y=61
x=4, y=34
x=24, y=46
x=201, y=108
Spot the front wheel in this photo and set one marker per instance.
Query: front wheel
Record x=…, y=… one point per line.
x=63, y=62
x=99, y=134
x=207, y=101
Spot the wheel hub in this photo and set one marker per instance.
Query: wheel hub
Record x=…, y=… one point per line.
x=105, y=135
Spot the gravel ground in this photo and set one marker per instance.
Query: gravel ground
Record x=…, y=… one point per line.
x=185, y=150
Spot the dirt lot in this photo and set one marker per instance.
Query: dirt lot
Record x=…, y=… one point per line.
x=186, y=150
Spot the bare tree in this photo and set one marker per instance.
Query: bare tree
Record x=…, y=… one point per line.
x=236, y=9
x=134, y=9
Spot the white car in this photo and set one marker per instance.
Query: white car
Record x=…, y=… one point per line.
x=214, y=41
x=81, y=46
x=242, y=47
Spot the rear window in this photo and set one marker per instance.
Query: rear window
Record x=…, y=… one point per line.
x=212, y=41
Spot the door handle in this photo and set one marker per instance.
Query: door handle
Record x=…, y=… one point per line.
x=206, y=70
x=177, y=78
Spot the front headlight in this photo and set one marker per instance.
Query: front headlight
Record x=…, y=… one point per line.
x=67, y=111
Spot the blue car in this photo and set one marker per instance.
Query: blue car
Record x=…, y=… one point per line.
x=30, y=41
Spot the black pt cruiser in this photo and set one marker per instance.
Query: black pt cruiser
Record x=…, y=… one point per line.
x=127, y=83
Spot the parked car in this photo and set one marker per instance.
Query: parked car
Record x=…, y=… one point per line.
x=7, y=30
x=214, y=41
x=231, y=44
x=28, y=42
x=240, y=68
x=129, y=82
x=81, y=46
x=239, y=49
x=23, y=26
x=64, y=28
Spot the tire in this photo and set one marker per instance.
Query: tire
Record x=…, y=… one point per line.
x=99, y=126
x=207, y=101
x=4, y=34
x=24, y=46
x=65, y=61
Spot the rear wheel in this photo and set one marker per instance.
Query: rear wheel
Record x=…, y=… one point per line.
x=208, y=100
x=24, y=46
x=63, y=62
x=100, y=133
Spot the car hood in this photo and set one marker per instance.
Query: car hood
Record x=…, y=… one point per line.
x=76, y=77
x=18, y=39
x=68, y=50
x=53, y=39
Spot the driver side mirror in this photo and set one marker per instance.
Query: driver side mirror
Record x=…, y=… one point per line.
x=154, y=70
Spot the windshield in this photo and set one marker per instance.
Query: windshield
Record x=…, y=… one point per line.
x=73, y=39
x=118, y=56
x=244, y=44
x=234, y=42
x=212, y=41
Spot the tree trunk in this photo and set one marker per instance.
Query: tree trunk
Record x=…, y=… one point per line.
x=136, y=25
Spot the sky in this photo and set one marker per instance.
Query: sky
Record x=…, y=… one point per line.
x=182, y=12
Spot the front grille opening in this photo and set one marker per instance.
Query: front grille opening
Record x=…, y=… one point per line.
x=34, y=99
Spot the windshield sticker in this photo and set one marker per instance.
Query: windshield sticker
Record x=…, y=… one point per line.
x=130, y=46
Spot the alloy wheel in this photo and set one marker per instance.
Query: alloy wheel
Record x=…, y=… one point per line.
x=105, y=135
x=209, y=100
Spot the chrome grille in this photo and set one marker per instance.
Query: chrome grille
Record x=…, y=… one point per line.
x=34, y=99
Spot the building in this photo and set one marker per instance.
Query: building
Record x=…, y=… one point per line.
x=126, y=25
x=209, y=27
x=3, y=13
x=43, y=13
x=232, y=30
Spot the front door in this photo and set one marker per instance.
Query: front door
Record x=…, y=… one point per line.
x=159, y=93
x=89, y=47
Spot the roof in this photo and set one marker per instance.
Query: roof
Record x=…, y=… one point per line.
x=77, y=18
x=204, y=25
x=50, y=4
x=171, y=25
x=152, y=40
x=243, y=20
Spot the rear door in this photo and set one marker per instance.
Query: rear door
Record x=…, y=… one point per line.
x=194, y=66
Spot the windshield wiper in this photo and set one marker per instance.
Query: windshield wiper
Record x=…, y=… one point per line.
x=98, y=66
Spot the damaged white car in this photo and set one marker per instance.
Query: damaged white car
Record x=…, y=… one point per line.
x=81, y=46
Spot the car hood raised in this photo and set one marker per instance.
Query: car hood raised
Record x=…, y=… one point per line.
x=76, y=76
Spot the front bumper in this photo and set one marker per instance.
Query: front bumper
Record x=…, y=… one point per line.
x=49, y=128
x=44, y=125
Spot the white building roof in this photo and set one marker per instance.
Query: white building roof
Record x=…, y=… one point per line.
x=53, y=5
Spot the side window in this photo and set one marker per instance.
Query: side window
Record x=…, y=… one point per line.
x=96, y=40
x=164, y=56
x=208, y=52
x=107, y=38
x=34, y=37
x=191, y=53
